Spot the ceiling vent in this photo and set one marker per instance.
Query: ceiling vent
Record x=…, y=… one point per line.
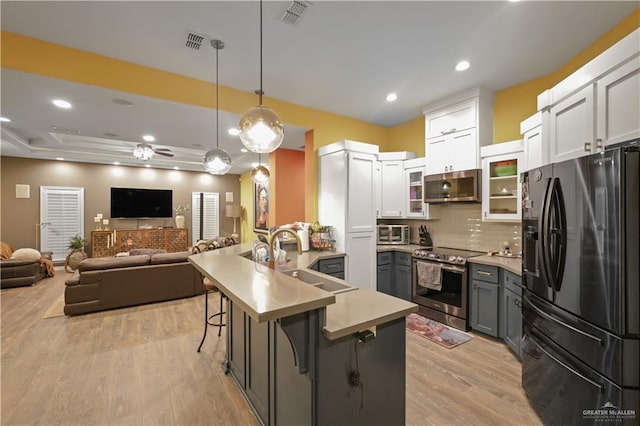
x=194, y=40
x=294, y=11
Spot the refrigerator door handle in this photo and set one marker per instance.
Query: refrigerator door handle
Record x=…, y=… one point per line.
x=558, y=233
x=544, y=243
x=543, y=314
x=554, y=234
x=586, y=379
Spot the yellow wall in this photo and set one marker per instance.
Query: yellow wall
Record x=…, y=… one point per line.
x=514, y=104
x=409, y=136
x=52, y=60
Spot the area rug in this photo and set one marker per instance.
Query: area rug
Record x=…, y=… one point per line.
x=55, y=310
x=436, y=332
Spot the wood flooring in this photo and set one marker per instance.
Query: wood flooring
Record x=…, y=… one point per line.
x=139, y=366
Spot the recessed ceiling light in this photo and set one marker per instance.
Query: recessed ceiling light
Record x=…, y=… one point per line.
x=254, y=164
x=148, y=138
x=462, y=65
x=391, y=97
x=176, y=168
x=59, y=158
x=116, y=163
x=61, y=104
x=244, y=150
x=514, y=1
x=147, y=165
x=5, y=120
x=234, y=131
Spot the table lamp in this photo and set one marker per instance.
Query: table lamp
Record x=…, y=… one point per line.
x=234, y=211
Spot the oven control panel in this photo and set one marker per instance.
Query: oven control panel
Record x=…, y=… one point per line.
x=439, y=257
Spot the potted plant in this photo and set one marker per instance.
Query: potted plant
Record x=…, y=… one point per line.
x=77, y=253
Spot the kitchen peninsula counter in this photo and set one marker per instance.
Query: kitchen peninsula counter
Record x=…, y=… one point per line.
x=293, y=349
x=266, y=294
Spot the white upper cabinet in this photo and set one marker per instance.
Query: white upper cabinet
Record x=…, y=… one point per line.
x=536, y=151
x=392, y=197
x=571, y=126
x=501, y=188
x=596, y=106
x=455, y=129
x=415, y=207
x=455, y=118
x=618, y=104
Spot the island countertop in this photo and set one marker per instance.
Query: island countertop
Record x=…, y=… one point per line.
x=266, y=294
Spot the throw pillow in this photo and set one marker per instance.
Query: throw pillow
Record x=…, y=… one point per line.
x=26, y=254
x=5, y=251
x=122, y=254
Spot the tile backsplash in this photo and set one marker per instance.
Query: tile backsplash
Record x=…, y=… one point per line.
x=461, y=226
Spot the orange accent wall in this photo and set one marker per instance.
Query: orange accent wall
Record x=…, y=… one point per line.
x=289, y=186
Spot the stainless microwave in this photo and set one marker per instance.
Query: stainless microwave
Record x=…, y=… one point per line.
x=393, y=234
x=453, y=187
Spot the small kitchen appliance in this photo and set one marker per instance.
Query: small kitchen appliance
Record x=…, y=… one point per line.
x=393, y=234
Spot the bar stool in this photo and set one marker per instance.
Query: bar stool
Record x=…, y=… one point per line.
x=209, y=287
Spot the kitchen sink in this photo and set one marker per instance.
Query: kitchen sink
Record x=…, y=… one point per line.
x=319, y=282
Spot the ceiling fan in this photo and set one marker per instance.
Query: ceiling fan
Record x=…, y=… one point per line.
x=144, y=151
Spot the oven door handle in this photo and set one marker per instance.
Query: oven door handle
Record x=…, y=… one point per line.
x=445, y=267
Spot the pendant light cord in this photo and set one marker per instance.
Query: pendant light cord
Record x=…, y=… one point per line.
x=217, y=103
x=260, y=94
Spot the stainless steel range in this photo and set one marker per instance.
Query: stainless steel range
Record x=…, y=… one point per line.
x=440, y=284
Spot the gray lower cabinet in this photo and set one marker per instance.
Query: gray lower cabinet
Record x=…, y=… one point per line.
x=292, y=375
x=385, y=273
x=402, y=275
x=512, y=311
x=485, y=300
x=394, y=274
x=257, y=374
x=333, y=267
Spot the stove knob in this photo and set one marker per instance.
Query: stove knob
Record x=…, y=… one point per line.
x=452, y=258
x=460, y=259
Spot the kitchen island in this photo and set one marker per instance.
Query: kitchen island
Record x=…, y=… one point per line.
x=303, y=355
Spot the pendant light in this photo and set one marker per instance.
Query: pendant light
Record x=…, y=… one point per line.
x=260, y=174
x=261, y=130
x=217, y=161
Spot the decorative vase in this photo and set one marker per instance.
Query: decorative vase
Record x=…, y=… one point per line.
x=179, y=221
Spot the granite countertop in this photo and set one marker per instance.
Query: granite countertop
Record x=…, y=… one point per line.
x=511, y=264
x=266, y=294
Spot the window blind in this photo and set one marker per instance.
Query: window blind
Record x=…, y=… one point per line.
x=210, y=215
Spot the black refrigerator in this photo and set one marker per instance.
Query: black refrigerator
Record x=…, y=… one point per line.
x=581, y=327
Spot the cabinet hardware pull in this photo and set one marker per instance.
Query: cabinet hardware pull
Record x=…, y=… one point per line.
x=587, y=146
x=484, y=273
x=446, y=132
x=599, y=143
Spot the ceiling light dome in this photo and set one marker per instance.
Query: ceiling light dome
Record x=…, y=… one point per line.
x=261, y=130
x=260, y=174
x=217, y=161
x=143, y=152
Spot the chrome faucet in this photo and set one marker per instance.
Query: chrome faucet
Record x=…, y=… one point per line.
x=272, y=238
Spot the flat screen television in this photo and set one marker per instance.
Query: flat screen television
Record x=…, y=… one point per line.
x=138, y=203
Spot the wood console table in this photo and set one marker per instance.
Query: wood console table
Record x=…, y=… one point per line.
x=108, y=243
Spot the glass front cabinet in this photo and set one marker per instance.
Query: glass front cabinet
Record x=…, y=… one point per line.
x=501, y=189
x=415, y=207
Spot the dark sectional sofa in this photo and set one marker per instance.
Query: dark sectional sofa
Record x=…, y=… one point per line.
x=106, y=283
x=20, y=273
